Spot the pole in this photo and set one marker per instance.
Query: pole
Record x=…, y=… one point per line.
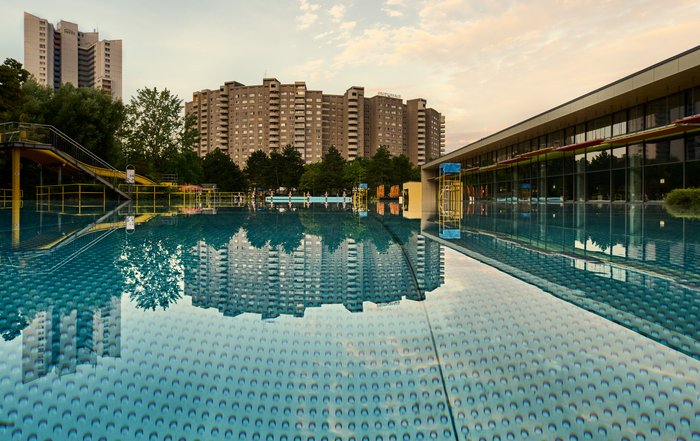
x=16, y=198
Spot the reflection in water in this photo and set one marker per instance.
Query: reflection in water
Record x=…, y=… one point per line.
x=67, y=306
x=638, y=267
x=66, y=339
x=284, y=263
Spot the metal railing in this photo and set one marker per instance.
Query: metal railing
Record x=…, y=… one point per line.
x=49, y=136
x=77, y=199
x=6, y=197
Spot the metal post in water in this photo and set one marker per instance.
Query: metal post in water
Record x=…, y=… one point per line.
x=16, y=198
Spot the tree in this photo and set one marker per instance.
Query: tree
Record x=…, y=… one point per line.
x=187, y=166
x=12, y=77
x=311, y=179
x=332, y=171
x=379, y=169
x=403, y=170
x=293, y=167
x=89, y=116
x=256, y=169
x=355, y=172
x=35, y=99
x=155, y=128
x=219, y=169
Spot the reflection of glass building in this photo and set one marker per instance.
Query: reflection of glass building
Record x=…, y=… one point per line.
x=65, y=340
x=633, y=140
x=633, y=265
x=270, y=281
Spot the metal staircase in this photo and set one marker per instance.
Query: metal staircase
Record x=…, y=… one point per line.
x=46, y=144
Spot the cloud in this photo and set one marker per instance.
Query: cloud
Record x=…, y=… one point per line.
x=337, y=12
x=308, y=16
x=491, y=64
x=393, y=8
x=348, y=25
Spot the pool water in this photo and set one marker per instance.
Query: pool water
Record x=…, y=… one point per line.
x=317, y=324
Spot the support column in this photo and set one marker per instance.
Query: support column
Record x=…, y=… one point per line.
x=16, y=198
x=428, y=193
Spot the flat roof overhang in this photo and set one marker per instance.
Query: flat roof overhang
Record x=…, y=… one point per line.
x=667, y=77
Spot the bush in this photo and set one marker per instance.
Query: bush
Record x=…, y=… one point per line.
x=683, y=202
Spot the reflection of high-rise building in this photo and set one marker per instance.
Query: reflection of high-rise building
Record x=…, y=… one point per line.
x=428, y=258
x=271, y=281
x=68, y=339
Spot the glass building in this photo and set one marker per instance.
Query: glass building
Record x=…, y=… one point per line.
x=631, y=141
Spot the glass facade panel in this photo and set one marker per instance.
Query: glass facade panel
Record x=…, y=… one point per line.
x=524, y=171
x=555, y=165
x=568, y=194
x=660, y=179
x=570, y=135
x=692, y=174
x=598, y=161
x=619, y=157
x=692, y=148
x=599, y=128
x=569, y=163
x=634, y=173
x=657, y=113
x=635, y=121
x=598, y=186
x=617, y=189
x=555, y=188
x=619, y=123
x=676, y=107
x=504, y=191
x=662, y=152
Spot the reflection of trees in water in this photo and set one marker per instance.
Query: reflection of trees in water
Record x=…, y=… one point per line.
x=335, y=228
x=153, y=272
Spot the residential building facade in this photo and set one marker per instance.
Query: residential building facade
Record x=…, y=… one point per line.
x=62, y=54
x=240, y=120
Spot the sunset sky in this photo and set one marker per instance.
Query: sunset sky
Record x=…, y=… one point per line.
x=485, y=64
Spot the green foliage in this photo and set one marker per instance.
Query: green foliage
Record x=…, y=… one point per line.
x=379, y=169
x=292, y=167
x=87, y=115
x=35, y=99
x=256, y=169
x=355, y=172
x=155, y=129
x=311, y=179
x=90, y=117
x=683, y=202
x=12, y=77
x=219, y=169
x=187, y=166
x=332, y=171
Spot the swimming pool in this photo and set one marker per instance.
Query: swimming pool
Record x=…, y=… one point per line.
x=313, y=323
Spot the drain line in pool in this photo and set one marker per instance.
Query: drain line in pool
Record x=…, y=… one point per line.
x=414, y=278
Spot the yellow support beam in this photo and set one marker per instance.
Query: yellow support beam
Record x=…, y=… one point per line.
x=16, y=198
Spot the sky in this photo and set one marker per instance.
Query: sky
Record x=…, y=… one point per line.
x=484, y=64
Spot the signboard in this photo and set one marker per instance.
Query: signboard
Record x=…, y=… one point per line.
x=130, y=223
x=363, y=186
x=450, y=233
x=389, y=95
x=130, y=175
x=450, y=167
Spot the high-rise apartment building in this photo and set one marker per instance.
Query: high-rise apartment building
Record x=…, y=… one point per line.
x=239, y=120
x=62, y=55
